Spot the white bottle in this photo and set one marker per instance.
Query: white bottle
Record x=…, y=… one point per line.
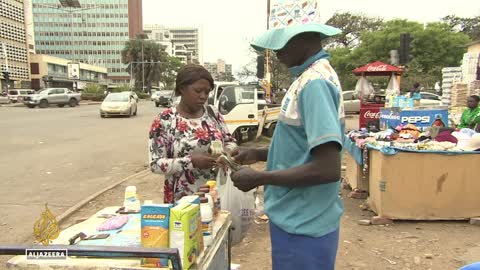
x=207, y=221
x=131, y=202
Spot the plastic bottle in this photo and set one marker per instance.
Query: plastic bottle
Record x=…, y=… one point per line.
x=214, y=193
x=208, y=196
x=207, y=221
x=131, y=201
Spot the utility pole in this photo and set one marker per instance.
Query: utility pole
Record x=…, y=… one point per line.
x=267, y=56
x=6, y=73
x=143, y=71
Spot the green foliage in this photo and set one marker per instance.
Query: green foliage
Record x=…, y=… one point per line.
x=93, y=96
x=169, y=74
x=145, y=60
x=468, y=26
x=120, y=88
x=94, y=89
x=352, y=25
x=433, y=48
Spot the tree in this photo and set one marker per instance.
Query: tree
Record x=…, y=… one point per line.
x=169, y=74
x=433, y=48
x=153, y=62
x=352, y=26
x=280, y=76
x=469, y=26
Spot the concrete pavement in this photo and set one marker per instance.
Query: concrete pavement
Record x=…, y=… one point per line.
x=61, y=156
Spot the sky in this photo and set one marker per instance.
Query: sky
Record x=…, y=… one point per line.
x=228, y=26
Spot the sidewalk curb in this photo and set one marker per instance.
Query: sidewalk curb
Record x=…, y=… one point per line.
x=80, y=204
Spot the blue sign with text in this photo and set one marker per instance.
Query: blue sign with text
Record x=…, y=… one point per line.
x=422, y=119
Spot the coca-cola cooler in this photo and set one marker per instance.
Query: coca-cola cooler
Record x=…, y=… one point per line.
x=370, y=114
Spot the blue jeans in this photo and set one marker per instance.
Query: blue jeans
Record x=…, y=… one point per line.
x=291, y=251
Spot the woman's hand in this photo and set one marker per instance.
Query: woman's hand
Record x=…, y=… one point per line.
x=202, y=161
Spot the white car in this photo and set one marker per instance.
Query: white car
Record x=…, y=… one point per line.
x=161, y=97
x=429, y=99
x=351, y=103
x=123, y=103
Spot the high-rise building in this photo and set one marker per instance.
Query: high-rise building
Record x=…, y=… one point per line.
x=220, y=70
x=162, y=37
x=94, y=33
x=186, y=41
x=13, y=44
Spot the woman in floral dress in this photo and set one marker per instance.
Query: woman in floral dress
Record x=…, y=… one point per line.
x=180, y=136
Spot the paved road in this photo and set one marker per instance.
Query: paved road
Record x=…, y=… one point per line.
x=61, y=156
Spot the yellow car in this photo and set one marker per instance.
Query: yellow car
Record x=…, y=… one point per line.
x=123, y=103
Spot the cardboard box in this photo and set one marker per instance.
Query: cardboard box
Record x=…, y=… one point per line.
x=155, y=220
x=424, y=186
x=354, y=174
x=194, y=199
x=184, y=232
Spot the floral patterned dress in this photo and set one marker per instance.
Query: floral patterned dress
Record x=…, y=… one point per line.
x=173, y=139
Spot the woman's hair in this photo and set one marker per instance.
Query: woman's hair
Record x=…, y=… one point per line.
x=189, y=74
x=476, y=98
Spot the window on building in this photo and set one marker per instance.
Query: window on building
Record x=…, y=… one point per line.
x=35, y=68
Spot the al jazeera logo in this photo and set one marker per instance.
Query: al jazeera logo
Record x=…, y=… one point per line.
x=45, y=230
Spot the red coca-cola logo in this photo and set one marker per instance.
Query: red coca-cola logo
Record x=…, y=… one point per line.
x=371, y=115
x=377, y=68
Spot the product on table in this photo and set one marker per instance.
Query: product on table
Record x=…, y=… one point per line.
x=184, y=232
x=207, y=221
x=131, y=202
x=113, y=223
x=154, y=230
x=194, y=199
x=206, y=190
x=216, y=199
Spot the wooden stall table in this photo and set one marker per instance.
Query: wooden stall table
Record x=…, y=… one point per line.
x=216, y=256
x=424, y=185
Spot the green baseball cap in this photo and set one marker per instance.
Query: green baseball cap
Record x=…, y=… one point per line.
x=277, y=38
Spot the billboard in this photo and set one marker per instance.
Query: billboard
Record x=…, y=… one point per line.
x=73, y=71
x=422, y=119
x=289, y=12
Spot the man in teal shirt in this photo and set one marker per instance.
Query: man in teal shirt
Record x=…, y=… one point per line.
x=304, y=158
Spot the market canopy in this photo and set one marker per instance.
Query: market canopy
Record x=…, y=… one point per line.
x=377, y=69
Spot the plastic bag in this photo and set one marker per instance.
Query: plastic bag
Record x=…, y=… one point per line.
x=113, y=223
x=240, y=204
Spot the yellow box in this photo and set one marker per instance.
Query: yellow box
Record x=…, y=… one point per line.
x=184, y=232
x=154, y=228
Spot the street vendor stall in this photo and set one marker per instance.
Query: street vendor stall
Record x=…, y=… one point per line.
x=215, y=256
x=428, y=179
x=370, y=100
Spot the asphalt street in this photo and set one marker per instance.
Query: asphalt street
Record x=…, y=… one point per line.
x=60, y=156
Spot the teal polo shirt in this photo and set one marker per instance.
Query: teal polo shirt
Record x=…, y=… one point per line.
x=314, y=210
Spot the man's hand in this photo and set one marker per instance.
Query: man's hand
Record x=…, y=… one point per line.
x=245, y=156
x=247, y=179
x=202, y=161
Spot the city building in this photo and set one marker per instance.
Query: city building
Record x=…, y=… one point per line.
x=220, y=70
x=13, y=45
x=94, y=32
x=162, y=37
x=51, y=71
x=186, y=41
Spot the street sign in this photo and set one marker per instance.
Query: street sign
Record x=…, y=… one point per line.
x=73, y=71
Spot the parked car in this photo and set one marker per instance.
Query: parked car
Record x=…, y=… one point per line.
x=351, y=102
x=17, y=95
x=173, y=100
x=161, y=97
x=430, y=99
x=123, y=103
x=57, y=96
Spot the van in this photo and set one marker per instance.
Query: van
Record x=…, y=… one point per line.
x=17, y=95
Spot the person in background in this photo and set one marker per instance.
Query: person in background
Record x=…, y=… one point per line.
x=471, y=116
x=303, y=160
x=438, y=88
x=180, y=137
x=415, y=94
